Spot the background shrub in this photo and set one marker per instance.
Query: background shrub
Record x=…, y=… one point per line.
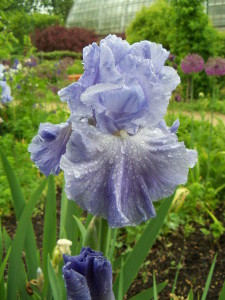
x=61, y=38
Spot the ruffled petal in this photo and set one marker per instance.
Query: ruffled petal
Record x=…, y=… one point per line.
x=148, y=50
x=108, y=72
x=118, y=177
x=72, y=94
x=48, y=146
x=118, y=46
x=116, y=107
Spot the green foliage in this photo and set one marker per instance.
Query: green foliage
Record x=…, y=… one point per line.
x=7, y=39
x=191, y=31
x=220, y=42
x=22, y=24
x=42, y=21
x=151, y=23
x=180, y=26
x=76, y=68
x=59, y=7
x=58, y=55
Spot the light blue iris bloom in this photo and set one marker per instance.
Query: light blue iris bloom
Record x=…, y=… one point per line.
x=5, y=94
x=117, y=154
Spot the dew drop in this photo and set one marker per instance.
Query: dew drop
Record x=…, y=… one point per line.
x=76, y=174
x=111, y=160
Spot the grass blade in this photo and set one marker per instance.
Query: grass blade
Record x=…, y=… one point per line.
x=50, y=227
x=2, y=268
x=142, y=247
x=7, y=240
x=176, y=276
x=222, y=293
x=14, y=281
x=19, y=203
x=1, y=242
x=206, y=289
x=54, y=281
x=120, y=291
x=190, y=295
x=80, y=226
x=149, y=293
x=154, y=287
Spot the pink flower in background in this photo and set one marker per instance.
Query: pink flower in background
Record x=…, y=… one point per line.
x=215, y=66
x=192, y=63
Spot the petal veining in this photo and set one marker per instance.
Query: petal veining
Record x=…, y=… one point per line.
x=119, y=178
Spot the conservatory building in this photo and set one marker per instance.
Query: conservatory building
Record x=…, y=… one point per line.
x=106, y=16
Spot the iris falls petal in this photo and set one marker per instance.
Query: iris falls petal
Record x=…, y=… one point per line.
x=119, y=176
x=48, y=146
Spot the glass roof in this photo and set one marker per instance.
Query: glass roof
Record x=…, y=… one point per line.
x=112, y=16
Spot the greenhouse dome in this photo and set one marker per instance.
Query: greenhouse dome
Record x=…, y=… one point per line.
x=107, y=16
x=104, y=16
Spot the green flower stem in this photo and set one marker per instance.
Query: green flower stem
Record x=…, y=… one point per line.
x=192, y=110
x=211, y=129
x=104, y=236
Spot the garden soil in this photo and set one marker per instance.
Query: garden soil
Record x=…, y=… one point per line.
x=195, y=254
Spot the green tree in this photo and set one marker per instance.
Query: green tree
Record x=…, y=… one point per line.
x=151, y=23
x=192, y=32
x=58, y=7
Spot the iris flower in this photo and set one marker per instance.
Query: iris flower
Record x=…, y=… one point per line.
x=5, y=94
x=116, y=151
x=88, y=276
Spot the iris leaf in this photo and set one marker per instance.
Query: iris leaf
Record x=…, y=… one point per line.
x=19, y=203
x=206, y=289
x=54, y=281
x=142, y=247
x=15, y=262
x=49, y=236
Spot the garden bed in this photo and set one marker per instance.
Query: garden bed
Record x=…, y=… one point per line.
x=194, y=254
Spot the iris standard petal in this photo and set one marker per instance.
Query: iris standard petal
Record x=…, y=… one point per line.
x=116, y=107
x=118, y=46
x=48, y=146
x=119, y=176
x=71, y=94
x=153, y=51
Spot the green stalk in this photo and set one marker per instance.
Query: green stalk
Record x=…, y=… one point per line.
x=192, y=111
x=104, y=236
x=210, y=131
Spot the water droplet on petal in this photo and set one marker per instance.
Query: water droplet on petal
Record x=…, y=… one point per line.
x=76, y=174
x=111, y=160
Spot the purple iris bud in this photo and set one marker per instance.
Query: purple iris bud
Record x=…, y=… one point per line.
x=192, y=63
x=5, y=95
x=88, y=276
x=215, y=66
x=49, y=145
x=18, y=87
